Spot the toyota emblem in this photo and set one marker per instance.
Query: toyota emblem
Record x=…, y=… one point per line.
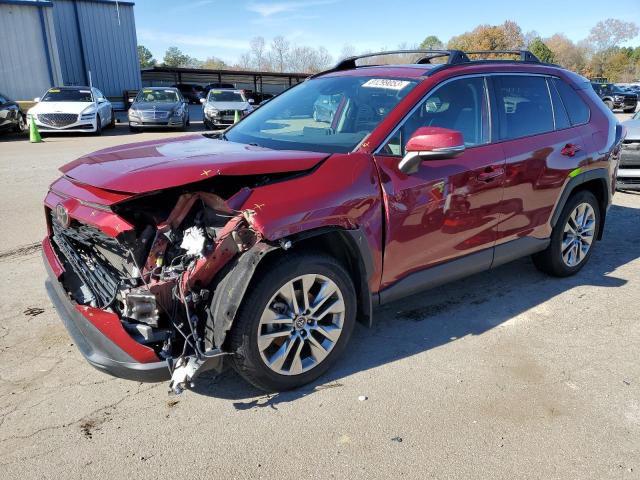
x=62, y=215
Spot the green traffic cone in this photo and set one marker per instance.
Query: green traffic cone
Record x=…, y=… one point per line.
x=236, y=116
x=34, y=134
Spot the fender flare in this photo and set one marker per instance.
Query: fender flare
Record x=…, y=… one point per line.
x=574, y=184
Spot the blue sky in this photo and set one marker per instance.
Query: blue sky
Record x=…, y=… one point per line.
x=223, y=28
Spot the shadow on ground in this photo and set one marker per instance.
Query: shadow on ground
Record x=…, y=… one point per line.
x=468, y=307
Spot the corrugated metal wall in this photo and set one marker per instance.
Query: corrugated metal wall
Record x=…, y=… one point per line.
x=93, y=36
x=25, y=70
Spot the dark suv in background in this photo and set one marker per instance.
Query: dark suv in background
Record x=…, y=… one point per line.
x=191, y=92
x=615, y=98
x=264, y=244
x=11, y=115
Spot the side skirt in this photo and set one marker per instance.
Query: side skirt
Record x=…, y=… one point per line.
x=461, y=268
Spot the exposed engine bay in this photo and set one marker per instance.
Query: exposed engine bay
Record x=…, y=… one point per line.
x=162, y=276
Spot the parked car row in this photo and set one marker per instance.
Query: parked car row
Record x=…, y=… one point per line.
x=11, y=116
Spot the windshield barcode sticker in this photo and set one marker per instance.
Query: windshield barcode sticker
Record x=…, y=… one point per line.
x=386, y=83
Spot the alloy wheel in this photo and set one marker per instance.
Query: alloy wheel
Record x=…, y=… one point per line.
x=578, y=234
x=301, y=324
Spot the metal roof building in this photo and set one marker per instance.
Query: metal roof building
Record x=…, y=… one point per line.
x=58, y=42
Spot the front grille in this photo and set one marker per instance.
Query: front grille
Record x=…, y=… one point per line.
x=629, y=180
x=98, y=260
x=150, y=115
x=58, y=119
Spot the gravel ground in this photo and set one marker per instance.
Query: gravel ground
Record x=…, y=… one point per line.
x=508, y=374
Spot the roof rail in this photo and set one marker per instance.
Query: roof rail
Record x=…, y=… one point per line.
x=525, y=55
x=455, y=57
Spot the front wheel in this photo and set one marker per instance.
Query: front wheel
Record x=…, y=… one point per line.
x=294, y=323
x=98, y=131
x=21, y=126
x=630, y=110
x=572, y=238
x=609, y=104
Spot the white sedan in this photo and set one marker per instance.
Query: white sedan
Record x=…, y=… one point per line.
x=72, y=109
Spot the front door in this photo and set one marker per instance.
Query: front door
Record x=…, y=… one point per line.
x=449, y=208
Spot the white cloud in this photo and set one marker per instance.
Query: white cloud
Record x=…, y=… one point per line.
x=192, y=40
x=268, y=9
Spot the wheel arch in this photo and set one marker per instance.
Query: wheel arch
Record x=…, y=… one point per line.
x=596, y=181
x=348, y=246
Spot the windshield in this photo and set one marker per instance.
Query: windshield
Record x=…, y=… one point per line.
x=331, y=114
x=225, y=96
x=158, y=96
x=67, y=95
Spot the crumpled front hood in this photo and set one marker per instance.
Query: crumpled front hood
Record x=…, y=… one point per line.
x=155, y=165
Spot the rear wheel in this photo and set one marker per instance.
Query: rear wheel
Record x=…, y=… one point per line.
x=112, y=123
x=572, y=238
x=133, y=129
x=294, y=323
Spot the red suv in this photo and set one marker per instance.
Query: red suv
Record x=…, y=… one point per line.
x=263, y=245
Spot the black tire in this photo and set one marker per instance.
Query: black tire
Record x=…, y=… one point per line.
x=98, y=131
x=243, y=337
x=188, y=121
x=21, y=126
x=609, y=104
x=112, y=123
x=630, y=110
x=550, y=260
x=208, y=125
x=133, y=129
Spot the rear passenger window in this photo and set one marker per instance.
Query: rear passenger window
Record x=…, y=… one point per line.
x=523, y=104
x=577, y=110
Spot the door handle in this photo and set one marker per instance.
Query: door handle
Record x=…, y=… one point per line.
x=570, y=150
x=490, y=173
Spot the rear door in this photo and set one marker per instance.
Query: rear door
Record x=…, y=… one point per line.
x=449, y=208
x=541, y=148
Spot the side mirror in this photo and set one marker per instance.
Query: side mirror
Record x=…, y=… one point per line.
x=37, y=99
x=431, y=143
x=102, y=100
x=251, y=101
x=203, y=100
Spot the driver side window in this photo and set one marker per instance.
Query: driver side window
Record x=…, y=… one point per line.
x=457, y=105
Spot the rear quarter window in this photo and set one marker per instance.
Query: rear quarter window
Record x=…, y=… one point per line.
x=577, y=109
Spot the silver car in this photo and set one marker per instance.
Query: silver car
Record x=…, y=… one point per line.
x=224, y=106
x=629, y=169
x=159, y=107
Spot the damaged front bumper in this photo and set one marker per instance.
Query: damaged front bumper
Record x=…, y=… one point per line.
x=100, y=350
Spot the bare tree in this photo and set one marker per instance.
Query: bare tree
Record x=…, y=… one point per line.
x=280, y=50
x=257, y=46
x=347, y=51
x=612, y=32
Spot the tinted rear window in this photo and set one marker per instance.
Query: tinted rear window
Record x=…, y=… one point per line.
x=577, y=110
x=524, y=106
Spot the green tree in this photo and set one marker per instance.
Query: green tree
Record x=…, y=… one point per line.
x=431, y=43
x=214, y=63
x=145, y=57
x=540, y=50
x=174, y=57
